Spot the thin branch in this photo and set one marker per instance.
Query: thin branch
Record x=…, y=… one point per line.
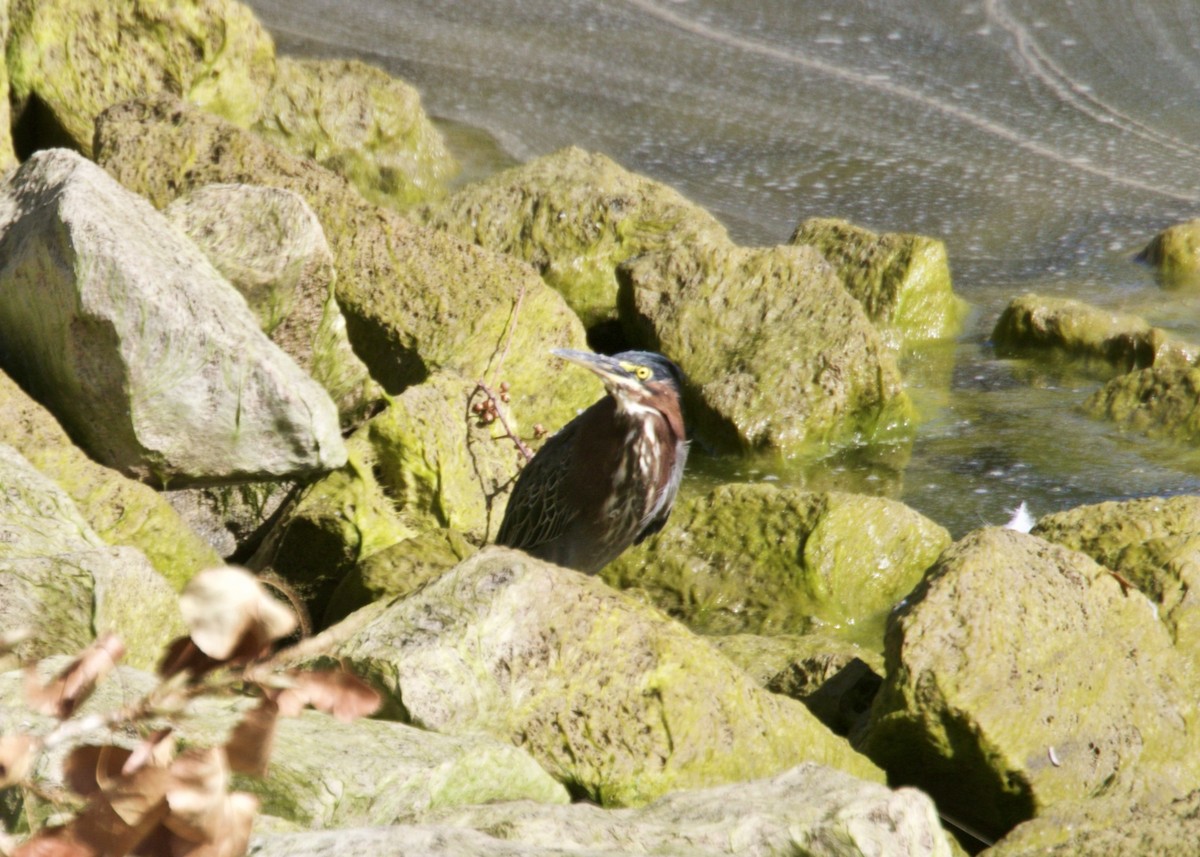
x=481, y=387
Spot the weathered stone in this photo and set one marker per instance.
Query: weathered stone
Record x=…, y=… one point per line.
x=359, y=122
x=795, y=665
x=902, y=280
x=120, y=510
x=8, y=156
x=61, y=582
x=415, y=301
x=1161, y=401
x=1020, y=675
x=1154, y=543
x=70, y=59
x=575, y=216
x=605, y=693
x=778, y=355
x=397, y=571
x=1175, y=255
x=231, y=518
x=765, y=560
x=1082, y=332
x=268, y=243
x=144, y=352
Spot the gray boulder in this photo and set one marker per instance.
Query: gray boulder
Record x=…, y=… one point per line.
x=144, y=352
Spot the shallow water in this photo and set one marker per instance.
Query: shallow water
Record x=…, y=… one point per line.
x=1045, y=143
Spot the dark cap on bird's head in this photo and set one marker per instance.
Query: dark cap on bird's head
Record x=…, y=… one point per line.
x=632, y=374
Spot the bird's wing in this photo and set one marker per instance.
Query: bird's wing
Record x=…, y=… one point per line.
x=538, y=510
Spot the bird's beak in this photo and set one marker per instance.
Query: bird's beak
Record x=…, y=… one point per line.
x=609, y=370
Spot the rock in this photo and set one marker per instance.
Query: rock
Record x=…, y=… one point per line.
x=1154, y=543
x=61, y=582
x=796, y=665
x=231, y=518
x=1123, y=342
x=397, y=571
x=415, y=301
x=8, y=156
x=1020, y=676
x=575, y=216
x=70, y=59
x=120, y=510
x=1106, y=827
x=268, y=243
x=764, y=560
x=902, y=280
x=605, y=693
x=325, y=773
x=187, y=389
x=779, y=357
x=1174, y=253
x=1161, y=401
x=359, y=122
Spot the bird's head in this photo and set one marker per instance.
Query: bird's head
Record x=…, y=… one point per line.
x=636, y=379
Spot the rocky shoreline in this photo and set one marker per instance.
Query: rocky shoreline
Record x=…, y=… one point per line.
x=244, y=317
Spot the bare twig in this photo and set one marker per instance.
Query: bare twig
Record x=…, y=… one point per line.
x=481, y=387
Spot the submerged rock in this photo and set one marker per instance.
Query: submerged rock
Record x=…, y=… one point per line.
x=1021, y=676
x=1161, y=401
x=902, y=280
x=778, y=356
x=71, y=59
x=147, y=355
x=415, y=301
x=120, y=510
x=765, y=560
x=1079, y=331
x=1174, y=253
x=608, y=695
x=575, y=216
x=359, y=122
x=268, y=243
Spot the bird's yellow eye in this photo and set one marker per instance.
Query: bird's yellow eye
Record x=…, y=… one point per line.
x=641, y=372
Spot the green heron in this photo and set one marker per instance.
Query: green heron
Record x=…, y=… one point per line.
x=609, y=477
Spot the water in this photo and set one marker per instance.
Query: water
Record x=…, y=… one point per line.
x=1045, y=143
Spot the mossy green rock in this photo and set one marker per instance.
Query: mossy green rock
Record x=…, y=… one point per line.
x=1020, y=676
x=766, y=560
x=778, y=356
x=1175, y=255
x=270, y=246
x=78, y=57
x=902, y=280
x=120, y=510
x=398, y=570
x=795, y=665
x=1123, y=342
x=607, y=694
x=1161, y=402
x=61, y=582
x=359, y=122
x=576, y=215
x=415, y=301
x=1154, y=543
x=8, y=157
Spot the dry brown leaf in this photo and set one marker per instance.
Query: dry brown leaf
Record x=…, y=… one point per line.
x=53, y=843
x=17, y=753
x=197, y=793
x=133, y=783
x=249, y=746
x=344, y=695
x=157, y=750
x=229, y=613
x=233, y=838
x=75, y=683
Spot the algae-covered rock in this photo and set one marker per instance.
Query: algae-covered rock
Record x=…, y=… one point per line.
x=1079, y=331
x=397, y=570
x=765, y=560
x=795, y=665
x=359, y=122
x=902, y=280
x=268, y=243
x=120, y=510
x=70, y=59
x=1154, y=543
x=778, y=355
x=1175, y=255
x=607, y=694
x=1106, y=827
x=61, y=582
x=575, y=216
x=415, y=301
x=8, y=156
x=1020, y=675
x=147, y=355
x=1162, y=401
